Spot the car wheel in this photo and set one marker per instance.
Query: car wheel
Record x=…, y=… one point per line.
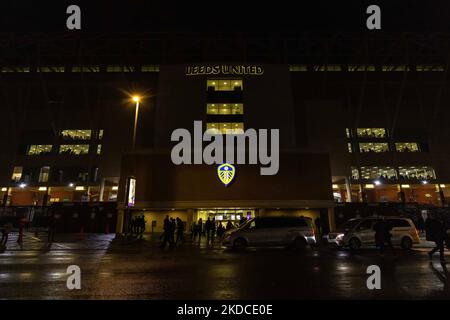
x=239, y=243
x=406, y=243
x=354, y=244
x=299, y=243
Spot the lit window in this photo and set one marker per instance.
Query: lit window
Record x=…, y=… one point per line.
x=353, y=68
x=371, y=133
x=416, y=173
x=150, y=68
x=39, y=149
x=406, y=147
x=76, y=134
x=224, y=84
x=50, y=69
x=86, y=69
x=331, y=67
x=355, y=173
x=14, y=69
x=298, y=68
x=349, y=145
x=99, y=149
x=100, y=134
x=429, y=68
x=348, y=132
x=74, y=149
x=226, y=127
x=373, y=173
x=395, y=68
x=373, y=147
x=225, y=108
x=119, y=68
x=17, y=174
x=44, y=174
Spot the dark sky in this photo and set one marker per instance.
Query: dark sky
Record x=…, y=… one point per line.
x=224, y=15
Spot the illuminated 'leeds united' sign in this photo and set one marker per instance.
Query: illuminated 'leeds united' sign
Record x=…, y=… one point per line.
x=225, y=70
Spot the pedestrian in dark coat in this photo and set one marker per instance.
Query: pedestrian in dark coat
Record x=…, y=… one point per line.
x=383, y=235
x=436, y=232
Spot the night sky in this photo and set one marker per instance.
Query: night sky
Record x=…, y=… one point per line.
x=224, y=16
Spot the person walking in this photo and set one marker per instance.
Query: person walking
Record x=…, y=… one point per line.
x=213, y=230
x=383, y=235
x=220, y=231
x=421, y=224
x=173, y=227
x=166, y=232
x=208, y=230
x=180, y=231
x=5, y=234
x=200, y=230
x=229, y=225
x=193, y=231
x=436, y=232
x=318, y=225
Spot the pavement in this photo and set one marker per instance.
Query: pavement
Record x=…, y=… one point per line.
x=139, y=269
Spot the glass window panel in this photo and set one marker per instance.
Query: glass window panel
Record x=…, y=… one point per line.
x=44, y=174
x=373, y=147
x=372, y=173
x=17, y=174
x=225, y=108
x=224, y=84
x=347, y=132
x=349, y=145
x=406, y=147
x=355, y=173
x=100, y=134
x=371, y=132
x=99, y=149
x=74, y=149
x=416, y=173
x=39, y=149
x=226, y=127
x=76, y=134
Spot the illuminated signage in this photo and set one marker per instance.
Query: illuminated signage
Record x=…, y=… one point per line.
x=131, y=191
x=241, y=70
x=226, y=173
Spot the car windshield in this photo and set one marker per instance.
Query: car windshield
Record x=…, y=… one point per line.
x=349, y=225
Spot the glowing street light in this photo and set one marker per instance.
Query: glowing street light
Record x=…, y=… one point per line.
x=136, y=99
x=377, y=182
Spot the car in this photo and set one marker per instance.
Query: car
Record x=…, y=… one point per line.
x=297, y=232
x=335, y=238
x=360, y=232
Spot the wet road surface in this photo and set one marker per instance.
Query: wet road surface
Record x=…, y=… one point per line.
x=112, y=270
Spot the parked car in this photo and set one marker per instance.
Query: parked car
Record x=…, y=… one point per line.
x=359, y=232
x=297, y=232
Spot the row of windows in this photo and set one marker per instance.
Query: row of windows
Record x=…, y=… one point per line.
x=371, y=133
x=225, y=108
x=68, y=149
x=392, y=173
x=362, y=68
x=224, y=85
x=80, y=134
x=225, y=127
x=377, y=147
x=83, y=68
x=58, y=175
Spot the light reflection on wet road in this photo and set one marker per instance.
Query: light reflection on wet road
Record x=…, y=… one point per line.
x=143, y=271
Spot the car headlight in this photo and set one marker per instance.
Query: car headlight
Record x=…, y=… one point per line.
x=340, y=236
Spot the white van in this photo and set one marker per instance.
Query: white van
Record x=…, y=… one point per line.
x=297, y=232
x=359, y=232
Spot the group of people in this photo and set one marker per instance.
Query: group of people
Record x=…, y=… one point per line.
x=211, y=229
x=137, y=226
x=170, y=228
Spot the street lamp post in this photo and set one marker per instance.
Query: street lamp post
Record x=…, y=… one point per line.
x=137, y=100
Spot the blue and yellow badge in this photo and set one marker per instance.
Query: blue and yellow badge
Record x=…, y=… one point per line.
x=226, y=173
